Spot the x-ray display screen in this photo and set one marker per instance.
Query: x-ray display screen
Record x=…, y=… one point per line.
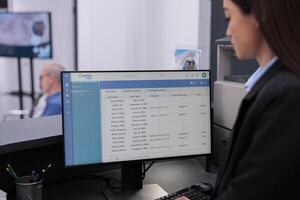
x=25, y=35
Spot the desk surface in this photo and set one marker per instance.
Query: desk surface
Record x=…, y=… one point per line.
x=171, y=175
x=29, y=133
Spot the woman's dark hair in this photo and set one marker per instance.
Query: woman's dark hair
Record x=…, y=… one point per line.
x=279, y=21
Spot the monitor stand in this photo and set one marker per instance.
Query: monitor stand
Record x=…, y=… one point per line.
x=132, y=185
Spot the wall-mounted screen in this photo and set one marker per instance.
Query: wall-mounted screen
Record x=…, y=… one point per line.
x=25, y=35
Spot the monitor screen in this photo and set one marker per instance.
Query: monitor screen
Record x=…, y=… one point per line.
x=135, y=115
x=25, y=35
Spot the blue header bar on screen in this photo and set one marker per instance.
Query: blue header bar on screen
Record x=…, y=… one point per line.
x=153, y=83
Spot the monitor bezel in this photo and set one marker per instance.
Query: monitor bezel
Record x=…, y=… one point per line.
x=50, y=32
x=138, y=160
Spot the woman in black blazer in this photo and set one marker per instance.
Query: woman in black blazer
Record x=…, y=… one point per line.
x=262, y=161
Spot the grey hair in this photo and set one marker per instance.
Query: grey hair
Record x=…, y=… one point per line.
x=53, y=68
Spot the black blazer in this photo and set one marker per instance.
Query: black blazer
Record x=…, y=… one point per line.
x=263, y=158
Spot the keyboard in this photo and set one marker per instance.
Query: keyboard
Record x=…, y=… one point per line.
x=194, y=192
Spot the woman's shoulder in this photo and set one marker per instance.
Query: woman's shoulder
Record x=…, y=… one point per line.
x=283, y=82
x=285, y=78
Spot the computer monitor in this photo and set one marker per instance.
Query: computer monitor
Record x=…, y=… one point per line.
x=133, y=116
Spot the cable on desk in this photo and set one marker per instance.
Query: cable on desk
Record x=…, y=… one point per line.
x=145, y=169
x=114, y=187
x=106, y=197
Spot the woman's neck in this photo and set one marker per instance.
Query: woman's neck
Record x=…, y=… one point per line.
x=265, y=55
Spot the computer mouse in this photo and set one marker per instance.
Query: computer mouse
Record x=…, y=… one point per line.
x=204, y=187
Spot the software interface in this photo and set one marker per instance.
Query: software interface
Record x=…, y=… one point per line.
x=123, y=116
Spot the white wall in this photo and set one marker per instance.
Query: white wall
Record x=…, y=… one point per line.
x=113, y=34
x=140, y=34
x=63, y=49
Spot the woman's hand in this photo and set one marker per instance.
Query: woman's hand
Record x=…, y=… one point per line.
x=182, y=198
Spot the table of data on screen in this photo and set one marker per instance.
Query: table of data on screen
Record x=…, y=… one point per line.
x=156, y=120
